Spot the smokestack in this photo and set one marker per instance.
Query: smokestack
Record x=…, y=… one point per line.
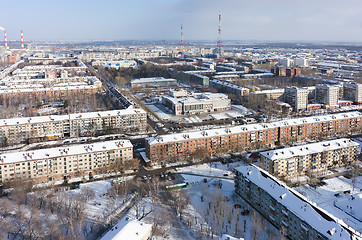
x=6, y=40
x=22, y=40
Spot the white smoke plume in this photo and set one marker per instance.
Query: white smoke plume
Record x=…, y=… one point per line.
x=2, y=29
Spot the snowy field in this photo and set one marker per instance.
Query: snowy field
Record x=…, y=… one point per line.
x=338, y=197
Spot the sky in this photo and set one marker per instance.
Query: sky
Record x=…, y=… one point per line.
x=245, y=20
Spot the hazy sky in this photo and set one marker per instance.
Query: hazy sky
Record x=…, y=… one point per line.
x=308, y=20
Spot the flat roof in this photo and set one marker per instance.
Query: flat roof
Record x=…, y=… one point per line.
x=319, y=219
x=52, y=118
x=307, y=149
x=6, y=158
x=176, y=137
x=128, y=229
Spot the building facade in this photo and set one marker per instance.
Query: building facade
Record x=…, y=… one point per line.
x=171, y=147
x=292, y=213
x=309, y=158
x=196, y=103
x=157, y=82
x=353, y=92
x=296, y=97
x=31, y=129
x=227, y=87
x=61, y=163
x=327, y=94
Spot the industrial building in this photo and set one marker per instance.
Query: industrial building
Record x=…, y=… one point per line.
x=252, y=136
x=309, y=158
x=32, y=129
x=182, y=102
x=291, y=212
x=64, y=162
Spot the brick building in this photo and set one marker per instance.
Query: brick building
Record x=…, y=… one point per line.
x=170, y=147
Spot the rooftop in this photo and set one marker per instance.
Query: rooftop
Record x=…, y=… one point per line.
x=248, y=128
x=40, y=154
x=307, y=149
x=319, y=219
x=52, y=118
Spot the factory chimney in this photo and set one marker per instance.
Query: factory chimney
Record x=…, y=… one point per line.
x=6, y=40
x=22, y=40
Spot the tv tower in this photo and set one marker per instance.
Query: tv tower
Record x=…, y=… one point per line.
x=219, y=57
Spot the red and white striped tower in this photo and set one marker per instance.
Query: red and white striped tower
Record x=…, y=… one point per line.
x=182, y=43
x=6, y=40
x=219, y=57
x=22, y=40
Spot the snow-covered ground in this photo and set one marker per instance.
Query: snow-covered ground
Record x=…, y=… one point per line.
x=211, y=209
x=338, y=197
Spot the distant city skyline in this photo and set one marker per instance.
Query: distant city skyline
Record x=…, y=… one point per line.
x=261, y=20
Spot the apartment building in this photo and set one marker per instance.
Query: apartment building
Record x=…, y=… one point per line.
x=296, y=97
x=315, y=157
x=183, y=103
x=353, y=92
x=272, y=94
x=50, y=92
x=63, y=162
x=116, y=64
x=288, y=210
x=156, y=82
x=31, y=129
x=327, y=94
x=252, y=136
x=227, y=87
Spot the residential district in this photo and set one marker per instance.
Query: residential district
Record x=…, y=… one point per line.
x=160, y=141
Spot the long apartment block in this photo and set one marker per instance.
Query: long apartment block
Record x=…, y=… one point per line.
x=252, y=136
x=73, y=125
x=314, y=157
x=64, y=162
x=288, y=210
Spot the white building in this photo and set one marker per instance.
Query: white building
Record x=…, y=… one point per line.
x=296, y=97
x=63, y=162
x=301, y=62
x=285, y=62
x=195, y=103
x=116, y=64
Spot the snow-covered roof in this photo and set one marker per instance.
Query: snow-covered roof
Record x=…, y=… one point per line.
x=319, y=219
x=153, y=80
x=248, y=128
x=13, y=157
x=128, y=229
x=29, y=90
x=208, y=133
x=307, y=149
x=227, y=84
x=55, y=118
